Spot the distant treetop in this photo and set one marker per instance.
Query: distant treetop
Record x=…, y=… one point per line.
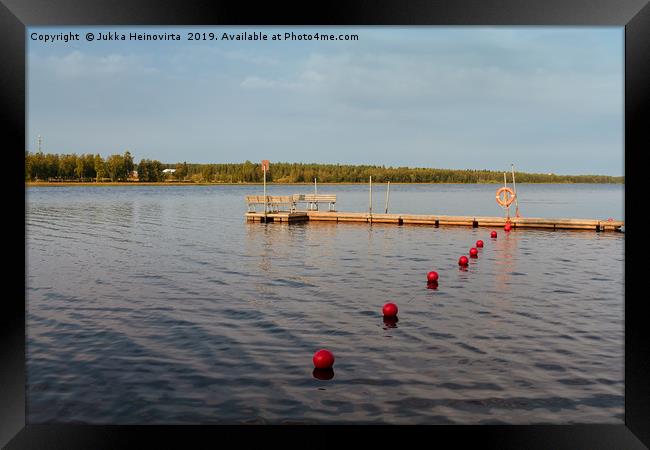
x=89, y=167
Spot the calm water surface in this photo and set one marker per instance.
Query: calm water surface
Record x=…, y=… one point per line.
x=162, y=305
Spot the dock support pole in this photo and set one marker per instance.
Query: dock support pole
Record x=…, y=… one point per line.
x=387, y=193
x=264, y=194
x=514, y=188
x=505, y=185
x=370, y=201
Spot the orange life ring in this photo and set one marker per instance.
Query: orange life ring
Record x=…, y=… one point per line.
x=508, y=196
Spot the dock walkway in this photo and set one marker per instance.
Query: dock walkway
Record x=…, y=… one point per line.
x=437, y=220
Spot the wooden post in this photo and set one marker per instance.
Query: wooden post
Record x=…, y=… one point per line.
x=265, y=166
x=370, y=202
x=505, y=184
x=514, y=188
x=265, y=198
x=387, y=193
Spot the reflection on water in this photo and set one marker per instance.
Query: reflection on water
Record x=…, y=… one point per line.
x=323, y=374
x=162, y=305
x=432, y=285
x=505, y=260
x=390, y=322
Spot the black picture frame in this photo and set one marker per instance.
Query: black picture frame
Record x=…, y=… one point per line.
x=16, y=15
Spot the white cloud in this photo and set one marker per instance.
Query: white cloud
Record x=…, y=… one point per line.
x=256, y=82
x=76, y=64
x=246, y=57
x=414, y=81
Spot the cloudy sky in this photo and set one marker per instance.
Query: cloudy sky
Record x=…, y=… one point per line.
x=548, y=99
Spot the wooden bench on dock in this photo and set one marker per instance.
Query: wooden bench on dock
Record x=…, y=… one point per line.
x=274, y=203
x=313, y=200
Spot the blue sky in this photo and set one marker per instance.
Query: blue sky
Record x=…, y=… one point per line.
x=548, y=99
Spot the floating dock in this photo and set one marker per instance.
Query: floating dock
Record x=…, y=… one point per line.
x=281, y=216
x=436, y=220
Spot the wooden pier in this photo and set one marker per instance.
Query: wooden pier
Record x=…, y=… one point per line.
x=437, y=220
x=285, y=209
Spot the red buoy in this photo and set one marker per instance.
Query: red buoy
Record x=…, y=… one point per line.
x=389, y=310
x=432, y=285
x=479, y=243
x=432, y=276
x=323, y=359
x=473, y=252
x=507, y=226
x=463, y=261
x=493, y=235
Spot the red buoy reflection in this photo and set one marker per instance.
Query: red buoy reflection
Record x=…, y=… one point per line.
x=390, y=322
x=323, y=374
x=432, y=285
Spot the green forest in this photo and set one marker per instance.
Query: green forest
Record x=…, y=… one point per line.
x=123, y=168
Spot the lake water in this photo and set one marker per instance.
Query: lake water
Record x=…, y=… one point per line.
x=162, y=305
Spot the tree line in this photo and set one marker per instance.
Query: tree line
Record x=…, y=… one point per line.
x=89, y=167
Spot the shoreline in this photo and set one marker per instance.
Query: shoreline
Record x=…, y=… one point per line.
x=164, y=183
